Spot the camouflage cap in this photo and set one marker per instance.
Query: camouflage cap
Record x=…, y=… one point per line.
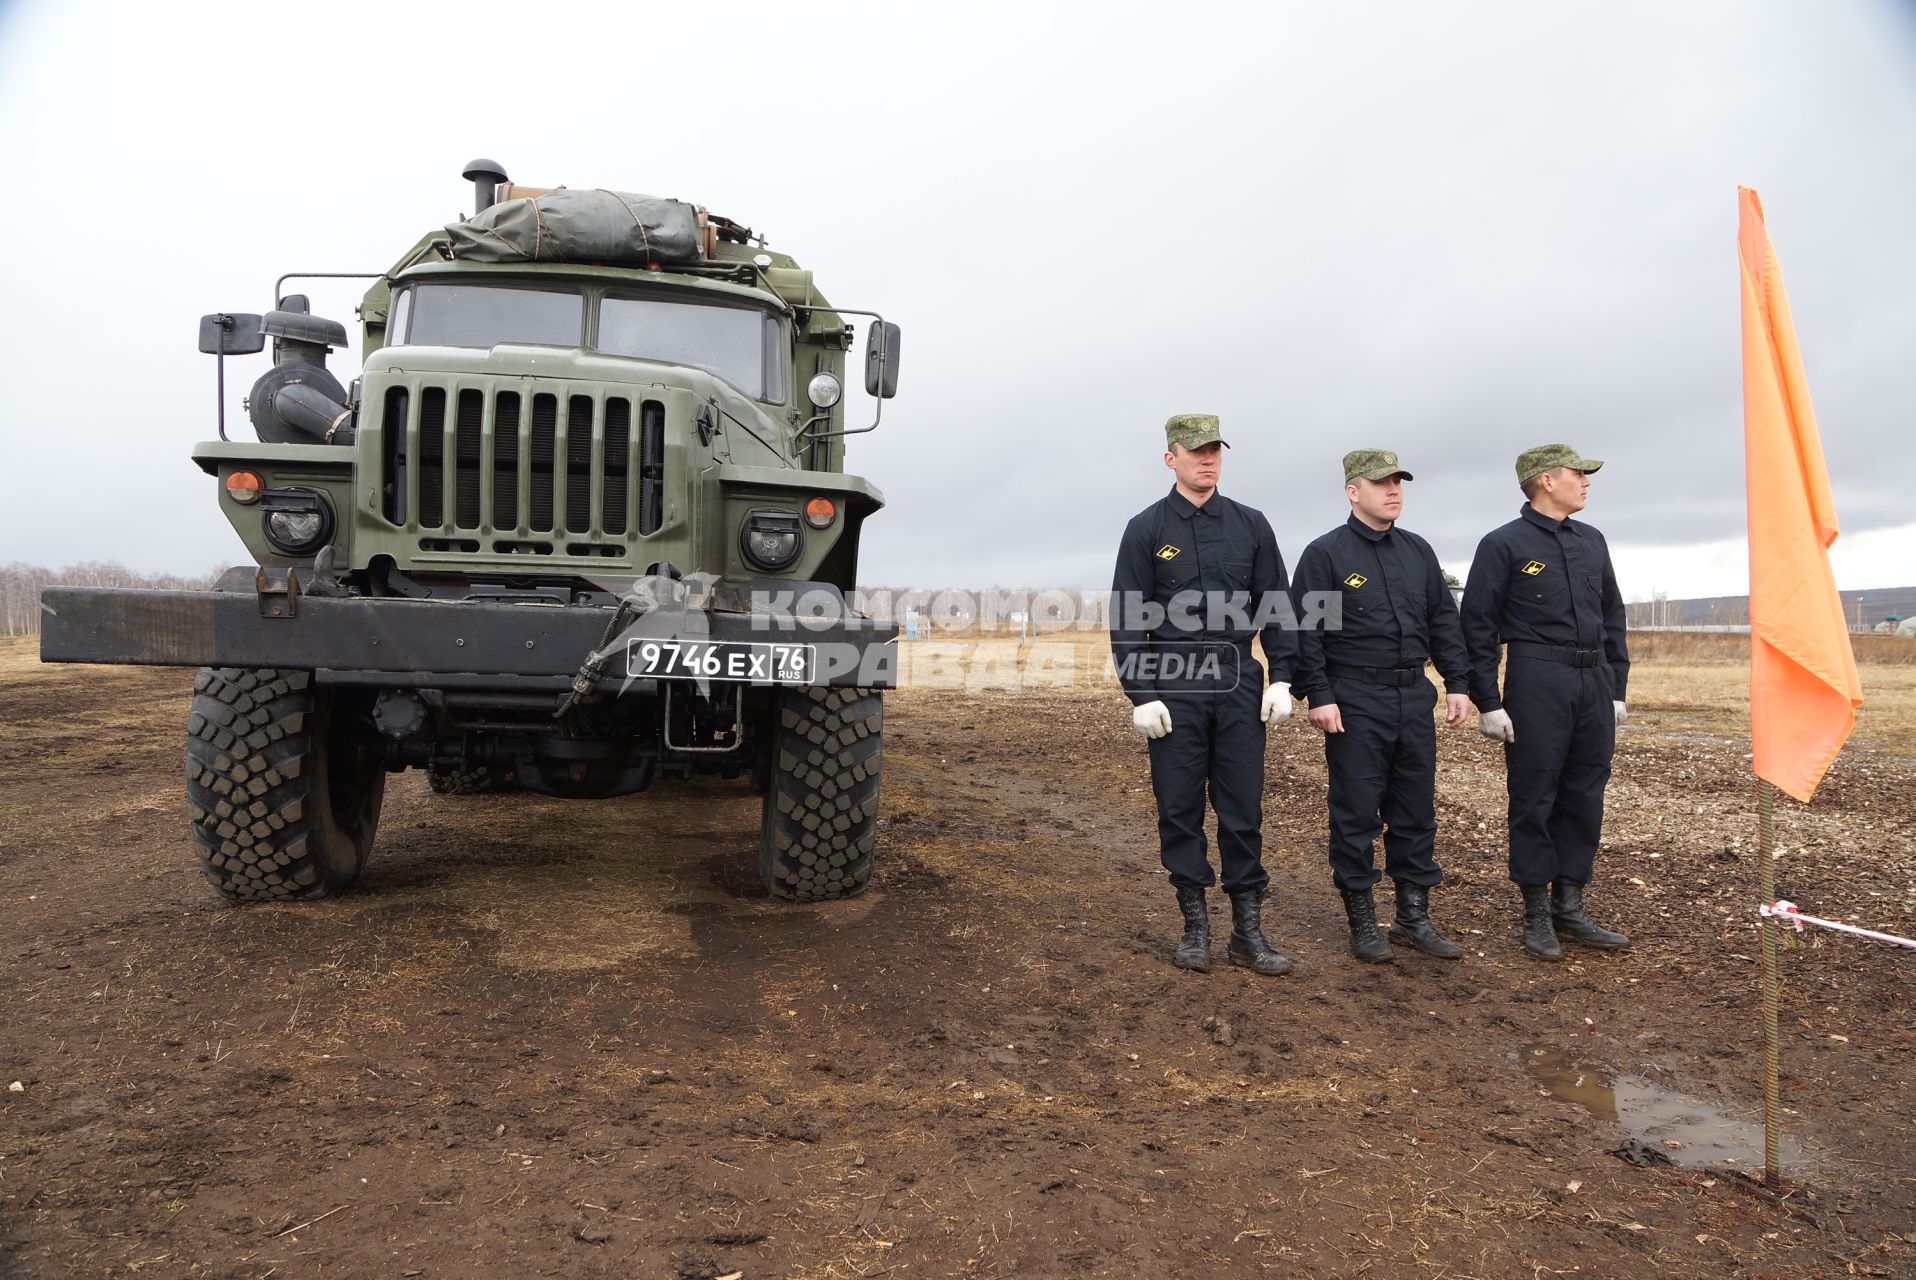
x=1192, y=430
x=1372, y=464
x=1548, y=457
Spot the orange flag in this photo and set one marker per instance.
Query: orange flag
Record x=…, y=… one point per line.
x=1803, y=684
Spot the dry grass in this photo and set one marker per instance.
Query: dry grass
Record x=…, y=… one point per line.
x=1692, y=648
x=1699, y=682
x=1714, y=698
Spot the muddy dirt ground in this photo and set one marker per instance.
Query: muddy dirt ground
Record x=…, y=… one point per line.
x=575, y=1039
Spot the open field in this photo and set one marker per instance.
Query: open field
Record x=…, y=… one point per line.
x=574, y=1039
x=1659, y=648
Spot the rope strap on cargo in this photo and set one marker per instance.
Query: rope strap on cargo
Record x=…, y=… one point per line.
x=1785, y=910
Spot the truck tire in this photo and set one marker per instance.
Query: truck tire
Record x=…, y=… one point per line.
x=283, y=783
x=821, y=810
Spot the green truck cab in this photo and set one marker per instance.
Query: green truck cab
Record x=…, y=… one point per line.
x=581, y=521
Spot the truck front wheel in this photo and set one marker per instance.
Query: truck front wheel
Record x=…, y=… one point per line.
x=821, y=810
x=284, y=781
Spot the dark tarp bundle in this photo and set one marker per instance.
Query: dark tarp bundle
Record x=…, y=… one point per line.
x=581, y=226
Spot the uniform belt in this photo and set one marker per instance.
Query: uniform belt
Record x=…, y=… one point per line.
x=1569, y=655
x=1403, y=677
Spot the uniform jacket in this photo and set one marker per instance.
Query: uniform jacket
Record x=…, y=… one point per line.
x=1221, y=550
x=1397, y=608
x=1541, y=581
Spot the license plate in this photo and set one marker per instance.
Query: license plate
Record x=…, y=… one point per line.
x=721, y=660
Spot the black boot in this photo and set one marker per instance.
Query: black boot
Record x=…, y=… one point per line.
x=1539, y=939
x=1566, y=909
x=1366, y=942
x=1247, y=946
x=1194, y=949
x=1413, y=925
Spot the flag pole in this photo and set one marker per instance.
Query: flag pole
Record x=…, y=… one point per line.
x=1772, y=1050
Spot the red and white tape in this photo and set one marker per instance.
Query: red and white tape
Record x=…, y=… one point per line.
x=1787, y=911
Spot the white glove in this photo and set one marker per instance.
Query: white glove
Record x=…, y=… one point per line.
x=1623, y=712
x=1277, y=703
x=1153, y=719
x=1496, y=724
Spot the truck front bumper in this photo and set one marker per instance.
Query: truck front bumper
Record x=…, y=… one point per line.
x=398, y=642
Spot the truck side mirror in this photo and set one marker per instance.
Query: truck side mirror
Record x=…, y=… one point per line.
x=881, y=360
x=228, y=334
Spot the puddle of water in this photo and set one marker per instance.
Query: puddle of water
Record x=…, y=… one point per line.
x=1691, y=1132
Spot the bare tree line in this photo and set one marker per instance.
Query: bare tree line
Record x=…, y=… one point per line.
x=21, y=584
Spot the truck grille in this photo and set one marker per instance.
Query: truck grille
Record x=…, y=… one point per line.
x=483, y=470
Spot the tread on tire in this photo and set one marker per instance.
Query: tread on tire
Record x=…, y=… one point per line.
x=284, y=782
x=820, y=828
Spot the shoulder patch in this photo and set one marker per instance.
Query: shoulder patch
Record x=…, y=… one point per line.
x=1167, y=552
x=1355, y=580
x=1534, y=567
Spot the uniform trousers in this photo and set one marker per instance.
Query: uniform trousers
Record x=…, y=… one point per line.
x=1215, y=749
x=1559, y=765
x=1383, y=777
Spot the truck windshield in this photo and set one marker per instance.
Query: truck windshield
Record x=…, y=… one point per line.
x=742, y=345
x=476, y=315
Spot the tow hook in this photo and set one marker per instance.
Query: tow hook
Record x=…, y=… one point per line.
x=278, y=592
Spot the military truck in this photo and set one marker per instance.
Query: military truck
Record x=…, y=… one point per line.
x=580, y=522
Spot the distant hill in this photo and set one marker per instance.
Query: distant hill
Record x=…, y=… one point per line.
x=1864, y=609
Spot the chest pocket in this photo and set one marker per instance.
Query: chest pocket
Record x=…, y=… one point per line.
x=1540, y=588
x=1173, y=576
x=1365, y=600
x=1234, y=574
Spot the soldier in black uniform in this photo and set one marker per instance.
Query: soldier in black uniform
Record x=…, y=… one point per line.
x=1197, y=576
x=1364, y=680
x=1542, y=585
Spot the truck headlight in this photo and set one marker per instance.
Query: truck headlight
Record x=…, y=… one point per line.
x=824, y=390
x=298, y=522
x=770, y=539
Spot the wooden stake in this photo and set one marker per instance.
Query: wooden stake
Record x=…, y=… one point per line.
x=1772, y=1050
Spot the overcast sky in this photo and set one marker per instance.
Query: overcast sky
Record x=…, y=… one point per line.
x=1454, y=230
